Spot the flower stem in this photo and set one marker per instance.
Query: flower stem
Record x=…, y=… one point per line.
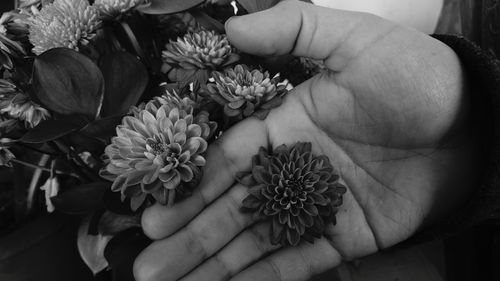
x=37, y=149
x=77, y=163
x=44, y=169
x=135, y=43
x=34, y=181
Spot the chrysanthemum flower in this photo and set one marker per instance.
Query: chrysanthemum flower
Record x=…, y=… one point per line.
x=244, y=92
x=109, y=9
x=298, y=191
x=198, y=50
x=64, y=23
x=19, y=105
x=158, y=150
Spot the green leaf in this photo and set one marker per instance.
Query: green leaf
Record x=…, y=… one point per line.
x=126, y=79
x=82, y=199
x=112, y=202
x=187, y=76
x=157, y=7
x=253, y=6
x=68, y=82
x=122, y=251
x=112, y=224
x=50, y=130
x=103, y=128
x=207, y=21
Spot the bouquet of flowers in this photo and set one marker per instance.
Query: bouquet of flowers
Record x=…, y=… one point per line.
x=111, y=105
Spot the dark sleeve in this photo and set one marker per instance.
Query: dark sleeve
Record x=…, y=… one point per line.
x=483, y=206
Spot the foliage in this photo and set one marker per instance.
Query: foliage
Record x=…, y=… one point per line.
x=132, y=92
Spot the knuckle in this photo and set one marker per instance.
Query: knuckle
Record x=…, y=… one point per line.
x=274, y=269
x=261, y=241
x=309, y=270
x=193, y=242
x=223, y=269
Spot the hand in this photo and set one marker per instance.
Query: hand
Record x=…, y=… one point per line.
x=383, y=114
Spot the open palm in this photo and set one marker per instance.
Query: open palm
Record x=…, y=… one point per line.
x=385, y=114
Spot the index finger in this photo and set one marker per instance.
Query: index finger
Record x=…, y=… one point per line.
x=229, y=155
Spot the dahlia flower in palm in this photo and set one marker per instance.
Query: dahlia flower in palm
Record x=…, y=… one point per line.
x=63, y=23
x=296, y=190
x=202, y=49
x=158, y=151
x=244, y=92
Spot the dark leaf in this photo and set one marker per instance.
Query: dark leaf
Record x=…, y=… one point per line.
x=261, y=114
x=68, y=82
x=82, y=199
x=207, y=21
x=113, y=203
x=122, y=250
x=85, y=143
x=112, y=224
x=95, y=218
x=181, y=75
x=157, y=7
x=186, y=76
x=253, y=6
x=232, y=59
x=126, y=79
x=103, y=128
x=49, y=130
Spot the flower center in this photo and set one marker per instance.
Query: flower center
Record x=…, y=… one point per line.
x=157, y=147
x=291, y=192
x=163, y=150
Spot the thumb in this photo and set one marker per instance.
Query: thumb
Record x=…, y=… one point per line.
x=303, y=29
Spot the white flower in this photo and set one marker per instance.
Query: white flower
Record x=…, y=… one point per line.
x=51, y=188
x=64, y=23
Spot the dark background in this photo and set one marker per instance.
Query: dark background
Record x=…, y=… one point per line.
x=6, y=5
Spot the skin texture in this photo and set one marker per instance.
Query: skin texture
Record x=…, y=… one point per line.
x=383, y=114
